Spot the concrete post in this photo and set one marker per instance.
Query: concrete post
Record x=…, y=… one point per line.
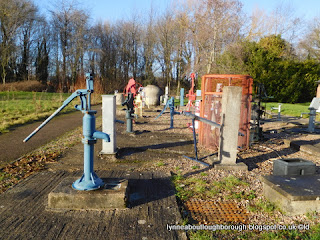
x=230, y=119
x=108, y=123
x=312, y=119
x=181, y=97
x=166, y=95
x=279, y=111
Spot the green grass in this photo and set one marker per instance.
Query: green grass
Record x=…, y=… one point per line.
x=18, y=108
x=199, y=188
x=289, y=109
x=263, y=205
x=160, y=164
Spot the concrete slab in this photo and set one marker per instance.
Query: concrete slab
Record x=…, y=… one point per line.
x=112, y=196
x=294, y=195
x=236, y=167
x=303, y=146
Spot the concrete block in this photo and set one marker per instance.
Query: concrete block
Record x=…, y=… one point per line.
x=293, y=167
x=294, y=195
x=310, y=149
x=119, y=98
x=234, y=167
x=108, y=123
x=112, y=196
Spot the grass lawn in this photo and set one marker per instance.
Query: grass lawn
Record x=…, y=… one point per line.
x=18, y=108
x=289, y=109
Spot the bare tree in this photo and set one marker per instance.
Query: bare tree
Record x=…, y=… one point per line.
x=311, y=41
x=13, y=14
x=282, y=20
x=26, y=41
x=165, y=45
x=42, y=50
x=182, y=60
x=70, y=25
x=215, y=24
x=148, y=46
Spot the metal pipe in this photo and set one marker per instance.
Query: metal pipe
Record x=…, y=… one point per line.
x=44, y=123
x=195, y=146
x=214, y=124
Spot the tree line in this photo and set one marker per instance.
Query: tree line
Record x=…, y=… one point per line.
x=202, y=36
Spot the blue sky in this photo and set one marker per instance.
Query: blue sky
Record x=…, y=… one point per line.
x=113, y=10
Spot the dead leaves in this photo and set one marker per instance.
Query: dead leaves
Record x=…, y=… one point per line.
x=24, y=167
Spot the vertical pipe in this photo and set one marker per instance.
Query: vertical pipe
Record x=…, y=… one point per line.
x=279, y=111
x=311, y=120
x=88, y=130
x=88, y=161
x=171, y=106
x=129, y=120
x=194, y=138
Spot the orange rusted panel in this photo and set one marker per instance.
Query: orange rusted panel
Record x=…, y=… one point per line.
x=212, y=91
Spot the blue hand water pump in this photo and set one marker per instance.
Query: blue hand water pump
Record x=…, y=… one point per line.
x=89, y=179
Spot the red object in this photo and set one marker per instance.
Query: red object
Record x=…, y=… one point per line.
x=131, y=87
x=191, y=95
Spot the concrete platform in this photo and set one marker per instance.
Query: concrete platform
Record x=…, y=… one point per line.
x=308, y=147
x=294, y=195
x=152, y=201
x=113, y=195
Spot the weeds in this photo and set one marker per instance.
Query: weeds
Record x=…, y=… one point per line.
x=242, y=195
x=229, y=183
x=199, y=188
x=312, y=215
x=160, y=164
x=262, y=205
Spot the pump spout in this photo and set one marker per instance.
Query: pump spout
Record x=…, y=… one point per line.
x=101, y=135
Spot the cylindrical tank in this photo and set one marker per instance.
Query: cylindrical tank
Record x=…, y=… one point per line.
x=152, y=95
x=119, y=98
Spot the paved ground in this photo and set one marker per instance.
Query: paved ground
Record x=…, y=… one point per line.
x=12, y=147
x=152, y=201
x=23, y=213
x=153, y=206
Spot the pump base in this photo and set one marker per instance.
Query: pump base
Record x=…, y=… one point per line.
x=94, y=183
x=114, y=195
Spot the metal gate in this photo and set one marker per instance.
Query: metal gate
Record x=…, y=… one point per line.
x=211, y=92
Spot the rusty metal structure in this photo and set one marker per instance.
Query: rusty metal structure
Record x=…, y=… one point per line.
x=211, y=212
x=191, y=95
x=211, y=92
